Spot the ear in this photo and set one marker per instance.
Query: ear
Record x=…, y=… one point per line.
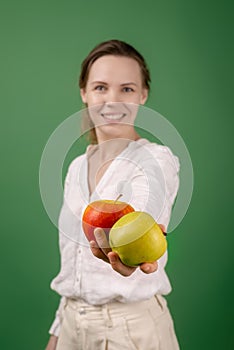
x=144, y=96
x=83, y=95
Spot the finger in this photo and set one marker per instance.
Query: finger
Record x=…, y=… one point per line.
x=163, y=228
x=149, y=267
x=102, y=241
x=118, y=266
x=98, y=252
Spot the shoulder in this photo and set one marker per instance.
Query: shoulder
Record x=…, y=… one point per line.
x=161, y=153
x=76, y=163
x=79, y=161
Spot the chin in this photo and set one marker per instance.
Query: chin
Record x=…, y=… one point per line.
x=112, y=131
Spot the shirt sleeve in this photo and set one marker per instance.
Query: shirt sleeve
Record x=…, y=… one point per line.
x=156, y=183
x=55, y=327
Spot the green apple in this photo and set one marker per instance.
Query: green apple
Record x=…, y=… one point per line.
x=137, y=238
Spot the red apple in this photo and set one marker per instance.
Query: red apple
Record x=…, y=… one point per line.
x=103, y=213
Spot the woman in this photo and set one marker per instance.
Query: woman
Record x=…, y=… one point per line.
x=104, y=303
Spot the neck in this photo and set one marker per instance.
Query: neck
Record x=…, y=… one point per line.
x=111, y=147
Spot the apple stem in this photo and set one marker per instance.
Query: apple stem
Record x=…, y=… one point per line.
x=120, y=195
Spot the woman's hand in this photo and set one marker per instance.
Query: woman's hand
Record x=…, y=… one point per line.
x=102, y=250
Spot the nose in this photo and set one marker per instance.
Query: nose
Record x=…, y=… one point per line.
x=112, y=96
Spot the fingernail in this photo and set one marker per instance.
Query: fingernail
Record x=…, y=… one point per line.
x=92, y=244
x=98, y=234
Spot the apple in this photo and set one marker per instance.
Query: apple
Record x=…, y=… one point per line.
x=103, y=213
x=137, y=238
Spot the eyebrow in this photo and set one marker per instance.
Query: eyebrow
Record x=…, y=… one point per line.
x=98, y=82
x=104, y=83
x=130, y=83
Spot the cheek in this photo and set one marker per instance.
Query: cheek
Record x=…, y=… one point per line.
x=135, y=98
x=94, y=108
x=133, y=109
x=94, y=99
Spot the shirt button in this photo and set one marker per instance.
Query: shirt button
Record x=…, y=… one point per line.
x=82, y=311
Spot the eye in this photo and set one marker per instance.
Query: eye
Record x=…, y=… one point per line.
x=100, y=88
x=127, y=89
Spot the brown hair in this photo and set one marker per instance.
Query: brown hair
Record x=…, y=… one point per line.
x=116, y=48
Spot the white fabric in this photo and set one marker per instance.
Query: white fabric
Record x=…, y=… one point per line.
x=144, y=325
x=147, y=175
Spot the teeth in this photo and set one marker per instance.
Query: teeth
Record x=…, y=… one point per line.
x=113, y=116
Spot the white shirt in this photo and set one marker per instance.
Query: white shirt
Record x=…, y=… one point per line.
x=147, y=175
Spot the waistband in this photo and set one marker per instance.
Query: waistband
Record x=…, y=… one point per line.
x=116, y=307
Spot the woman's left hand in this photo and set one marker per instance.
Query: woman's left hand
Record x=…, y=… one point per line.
x=102, y=250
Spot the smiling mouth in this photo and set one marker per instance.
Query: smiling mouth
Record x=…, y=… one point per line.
x=113, y=116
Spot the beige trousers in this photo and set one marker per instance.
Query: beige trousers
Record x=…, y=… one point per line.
x=145, y=325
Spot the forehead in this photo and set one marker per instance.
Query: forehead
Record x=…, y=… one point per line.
x=115, y=68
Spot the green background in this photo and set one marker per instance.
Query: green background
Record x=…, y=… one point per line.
x=189, y=48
